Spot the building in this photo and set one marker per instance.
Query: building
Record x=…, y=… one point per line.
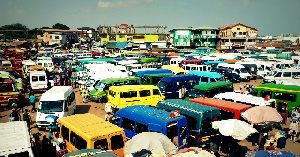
x=181, y=37
x=58, y=36
x=236, y=36
x=87, y=32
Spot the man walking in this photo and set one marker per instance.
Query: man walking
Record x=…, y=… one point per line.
x=32, y=100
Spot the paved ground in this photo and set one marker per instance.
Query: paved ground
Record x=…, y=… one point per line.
x=98, y=109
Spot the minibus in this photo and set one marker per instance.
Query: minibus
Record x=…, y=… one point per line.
x=129, y=95
x=239, y=69
x=282, y=75
x=279, y=92
x=47, y=64
x=190, y=67
x=170, y=85
x=207, y=76
x=228, y=74
x=26, y=66
x=9, y=94
x=210, y=89
x=199, y=119
x=229, y=109
x=87, y=131
x=98, y=94
x=153, y=79
x=58, y=101
x=38, y=80
x=140, y=118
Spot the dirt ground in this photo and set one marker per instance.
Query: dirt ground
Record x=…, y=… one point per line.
x=98, y=109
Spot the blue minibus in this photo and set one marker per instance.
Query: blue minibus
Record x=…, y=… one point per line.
x=140, y=118
x=207, y=76
x=171, y=85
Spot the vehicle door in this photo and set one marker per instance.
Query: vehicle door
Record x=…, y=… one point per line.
x=129, y=98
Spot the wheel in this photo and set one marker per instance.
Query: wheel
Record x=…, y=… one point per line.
x=13, y=103
x=103, y=99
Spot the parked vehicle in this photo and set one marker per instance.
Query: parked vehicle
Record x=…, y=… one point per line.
x=38, y=80
x=199, y=119
x=9, y=94
x=140, y=118
x=87, y=131
x=228, y=74
x=47, y=64
x=282, y=75
x=207, y=76
x=239, y=69
x=58, y=101
x=153, y=79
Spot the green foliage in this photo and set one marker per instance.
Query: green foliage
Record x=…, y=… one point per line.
x=21, y=31
x=60, y=26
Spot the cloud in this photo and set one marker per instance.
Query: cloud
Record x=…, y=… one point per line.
x=121, y=3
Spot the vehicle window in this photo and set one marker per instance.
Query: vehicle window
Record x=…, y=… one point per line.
x=212, y=80
x=34, y=78
x=170, y=85
x=118, y=83
x=265, y=93
x=172, y=130
x=112, y=93
x=101, y=144
x=106, y=87
x=204, y=79
x=295, y=74
x=78, y=141
x=287, y=74
x=254, y=92
x=128, y=124
x=4, y=87
x=115, y=120
x=65, y=133
x=191, y=82
x=42, y=78
x=179, y=84
x=133, y=82
x=206, y=123
x=285, y=96
x=278, y=74
x=144, y=93
x=156, y=92
x=141, y=128
x=117, y=142
x=128, y=94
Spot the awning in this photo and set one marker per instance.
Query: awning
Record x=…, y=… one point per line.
x=121, y=44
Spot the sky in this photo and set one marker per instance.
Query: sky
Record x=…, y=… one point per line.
x=270, y=17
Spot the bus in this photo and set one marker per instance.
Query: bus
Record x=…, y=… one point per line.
x=140, y=118
x=229, y=109
x=153, y=79
x=98, y=94
x=199, y=119
x=279, y=92
x=87, y=131
x=210, y=89
x=205, y=77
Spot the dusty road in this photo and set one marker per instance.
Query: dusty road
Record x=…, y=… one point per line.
x=98, y=109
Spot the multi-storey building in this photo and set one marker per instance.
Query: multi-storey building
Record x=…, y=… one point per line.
x=236, y=36
x=58, y=36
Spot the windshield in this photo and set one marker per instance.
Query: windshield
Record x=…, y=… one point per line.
x=243, y=70
x=162, y=83
x=50, y=106
x=100, y=86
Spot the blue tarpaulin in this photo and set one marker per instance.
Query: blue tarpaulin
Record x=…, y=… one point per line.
x=121, y=44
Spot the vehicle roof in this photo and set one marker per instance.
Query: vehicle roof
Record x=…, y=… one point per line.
x=205, y=73
x=218, y=103
x=89, y=126
x=173, y=68
x=37, y=72
x=180, y=76
x=213, y=85
x=132, y=87
x=57, y=93
x=291, y=88
x=118, y=79
x=159, y=75
x=14, y=136
x=147, y=113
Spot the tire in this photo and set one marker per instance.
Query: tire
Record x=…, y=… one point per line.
x=103, y=99
x=13, y=103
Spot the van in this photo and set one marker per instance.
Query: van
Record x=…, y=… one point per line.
x=26, y=66
x=251, y=68
x=228, y=74
x=98, y=94
x=239, y=69
x=87, y=131
x=207, y=76
x=282, y=75
x=47, y=64
x=6, y=63
x=199, y=119
x=58, y=101
x=38, y=80
x=209, y=89
x=17, y=140
x=129, y=95
x=140, y=118
x=171, y=85
x=9, y=94
x=153, y=79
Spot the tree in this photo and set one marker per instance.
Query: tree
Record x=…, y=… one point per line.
x=14, y=31
x=60, y=26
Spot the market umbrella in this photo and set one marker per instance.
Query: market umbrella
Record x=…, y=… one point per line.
x=239, y=130
x=153, y=141
x=262, y=115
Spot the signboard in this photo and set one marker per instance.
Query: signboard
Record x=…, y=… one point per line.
x=175, y=113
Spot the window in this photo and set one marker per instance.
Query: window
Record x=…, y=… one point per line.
x=172, y=130
x=121, y=36
x=265, y=93
x=278, y=74
x=117, y=142
x=179, y=84
x=56, y=37
x=254, y=92
x=4, y=87
x=77, y=141
x=34, y=78
x=204, y=79
x=191, y=82
x=42, y=78
x=118, y=83
x=112, y=93
x=213, y=80
x=287, y=74
x=285, y=96
x=156, y=92
x=128, y=94
x=238, y=28
x=206, y=123
x=65, y=133
x=141, y=128
x=144, y=93
x=101, y=144
x=115, y=120
x=128, y=124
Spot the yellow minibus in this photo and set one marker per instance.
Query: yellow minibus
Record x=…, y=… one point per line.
x=129, y=95
x=87, y=131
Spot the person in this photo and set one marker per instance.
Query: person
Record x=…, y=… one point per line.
x=48, y=85
x=62, y=150
x=241, y=87
x=45, y=145
x=51, y=128
x=15, y=113
x=66, y=81
x=62, y=79
x=57, y=142
x=293, y=130
x=182, y=92
x=32, y=100
x=54, y=80
x=74, y=79
x=83, y=92
x=69, y=73
x=27, y=118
